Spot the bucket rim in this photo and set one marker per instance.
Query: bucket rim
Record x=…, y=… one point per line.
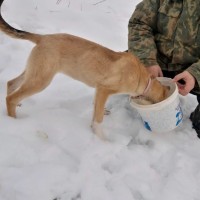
x=160, y=104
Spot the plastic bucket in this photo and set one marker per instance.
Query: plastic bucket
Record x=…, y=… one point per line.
x=165, y=115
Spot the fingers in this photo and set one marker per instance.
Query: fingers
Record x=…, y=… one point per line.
x=160, y=74
x=189, y=80
x=183, y=90
x=155, y=71
x=179, y=77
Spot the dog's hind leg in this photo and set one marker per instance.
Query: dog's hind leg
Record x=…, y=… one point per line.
x=101, y=96
x=13, y=84
x=30, y=85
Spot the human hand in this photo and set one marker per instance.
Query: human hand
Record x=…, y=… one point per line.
x=155, y=71
x=189, y=84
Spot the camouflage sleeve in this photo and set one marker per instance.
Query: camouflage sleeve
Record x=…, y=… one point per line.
x=141, y=28
x=194, y=69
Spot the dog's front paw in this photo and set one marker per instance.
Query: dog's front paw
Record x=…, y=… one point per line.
x=97, y=129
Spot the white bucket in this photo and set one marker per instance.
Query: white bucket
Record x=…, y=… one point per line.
x=165, y=115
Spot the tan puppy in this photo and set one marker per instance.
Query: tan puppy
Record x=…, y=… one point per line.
x=108, y=71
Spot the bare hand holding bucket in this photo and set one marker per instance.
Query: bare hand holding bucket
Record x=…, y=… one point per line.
x=155, y=71
x=189, y=82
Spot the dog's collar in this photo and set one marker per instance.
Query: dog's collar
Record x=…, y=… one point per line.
x=147, y=87
x=145, y=90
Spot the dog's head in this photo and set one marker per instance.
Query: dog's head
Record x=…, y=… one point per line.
x=157, y=92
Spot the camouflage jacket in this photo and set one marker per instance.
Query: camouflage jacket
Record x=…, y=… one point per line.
x=167, y=33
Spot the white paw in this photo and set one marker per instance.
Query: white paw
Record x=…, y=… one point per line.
x=97, y=129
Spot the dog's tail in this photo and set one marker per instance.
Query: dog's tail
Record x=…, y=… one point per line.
x=15, y=33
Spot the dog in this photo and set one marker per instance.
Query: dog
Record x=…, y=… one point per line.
x=107, y=71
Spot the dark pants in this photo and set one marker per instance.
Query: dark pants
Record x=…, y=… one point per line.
x=195, y=116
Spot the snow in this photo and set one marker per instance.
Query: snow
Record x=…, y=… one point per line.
x=49, y=152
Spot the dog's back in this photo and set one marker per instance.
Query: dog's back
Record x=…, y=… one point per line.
x=79, y=58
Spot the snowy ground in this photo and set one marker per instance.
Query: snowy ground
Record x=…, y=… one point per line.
x=49, y=151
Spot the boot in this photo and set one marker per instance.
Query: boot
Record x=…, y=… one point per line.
x=195, y=118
